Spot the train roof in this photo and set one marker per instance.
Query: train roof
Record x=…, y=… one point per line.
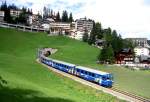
x=65, y=63
x=92, y=70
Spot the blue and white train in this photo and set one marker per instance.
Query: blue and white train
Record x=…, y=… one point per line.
x=99, y=77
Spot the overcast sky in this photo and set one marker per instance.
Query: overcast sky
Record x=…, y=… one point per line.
x=131, y=18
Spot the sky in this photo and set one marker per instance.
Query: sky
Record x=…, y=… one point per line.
x=131, y=18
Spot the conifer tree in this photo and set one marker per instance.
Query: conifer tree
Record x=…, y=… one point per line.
x=65, y=16
x=58, y=17
x=85, y=36
x=70, y=18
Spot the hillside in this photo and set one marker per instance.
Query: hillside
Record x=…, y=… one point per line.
x=28, y=81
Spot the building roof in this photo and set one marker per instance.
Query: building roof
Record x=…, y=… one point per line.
x=50, y=20
x=126, y=50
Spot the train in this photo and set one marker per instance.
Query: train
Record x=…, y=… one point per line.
x=99, y=77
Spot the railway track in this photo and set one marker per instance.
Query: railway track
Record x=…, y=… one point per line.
x=136, y=97
x=113, y=91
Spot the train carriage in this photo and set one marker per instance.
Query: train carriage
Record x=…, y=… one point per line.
x=102, y=78
x=99, y=77
x=46, y=60
x=63, y=66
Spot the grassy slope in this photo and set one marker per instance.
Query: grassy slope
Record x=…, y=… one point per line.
x=29, y=81
x=137, y=82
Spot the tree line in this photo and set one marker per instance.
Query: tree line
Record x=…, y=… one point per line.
x=64, y=17
x=113, y=42
x=25, y=12
x=21, y=18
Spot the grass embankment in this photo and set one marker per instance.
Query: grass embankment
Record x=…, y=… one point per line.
x=28, y=81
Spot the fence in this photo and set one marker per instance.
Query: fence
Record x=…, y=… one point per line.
x=22, y=27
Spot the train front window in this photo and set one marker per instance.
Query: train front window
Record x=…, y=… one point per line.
x=111, y=77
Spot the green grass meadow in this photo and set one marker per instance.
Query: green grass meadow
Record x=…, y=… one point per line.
x=28, y=81
x=32, y=82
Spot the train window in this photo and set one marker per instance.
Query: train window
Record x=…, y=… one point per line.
x=78, y=70
x=67, y=67
x=85, y=72
x=90, y=74
x=81, y=71
x=93, y=74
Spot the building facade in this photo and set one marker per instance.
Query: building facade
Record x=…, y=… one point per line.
x=143, y=42
x=79, y=27
x=2, y=16
x=15, y=13
x=141, y=51
x=83, y=24
x=59, y=28
x=125, y=56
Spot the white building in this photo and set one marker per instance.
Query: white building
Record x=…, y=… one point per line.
x=15, y=13
x=143, y=42
x=1, y=16
x=83, y=24
x=59, y=28
x=46, y=23
x=79, y=35
x=30, y=19
x=141, y=51
x=45, y=26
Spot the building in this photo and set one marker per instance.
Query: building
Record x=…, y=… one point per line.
x=100, y=43
x=141, y=51
x=79, y=27
x=59, y=28
x=15, y=13
x=2, y=16
x=29, y=19
x=46, y=23
x=83, y=24
x=34, y=20
x=125, y=56
x=143, y=42
x=79, y=35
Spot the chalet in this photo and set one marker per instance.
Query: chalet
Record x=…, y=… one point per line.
x=125, y=56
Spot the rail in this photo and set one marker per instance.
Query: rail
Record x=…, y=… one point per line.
x=22, y=27
x=136, y=97
x=113, y=91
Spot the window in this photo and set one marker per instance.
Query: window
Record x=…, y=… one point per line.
x=86, y=72
x=81, y=71
x=67, y=67
x=78, y=70
x=93, y=74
